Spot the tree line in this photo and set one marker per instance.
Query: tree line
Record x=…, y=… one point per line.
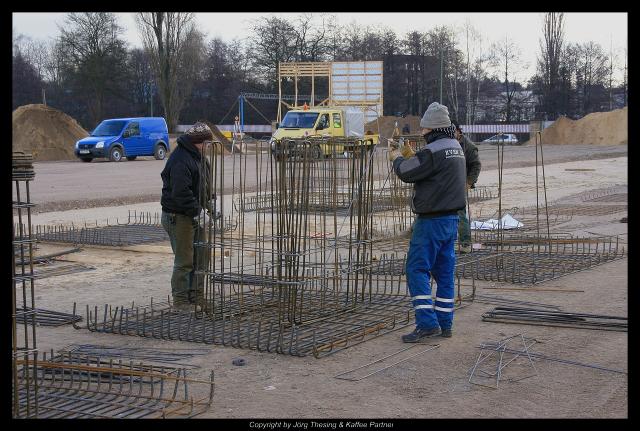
x=90, y=72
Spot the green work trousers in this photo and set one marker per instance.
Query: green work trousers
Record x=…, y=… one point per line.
x=464, y=230
x=187, y=280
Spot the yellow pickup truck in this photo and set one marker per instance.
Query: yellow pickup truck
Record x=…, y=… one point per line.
x=328, y=131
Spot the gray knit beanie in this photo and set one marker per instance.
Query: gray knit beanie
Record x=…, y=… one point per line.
x=435, y=117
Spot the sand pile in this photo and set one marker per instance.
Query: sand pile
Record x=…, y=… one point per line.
x=45, y=132
x=386, y=125
x=597, y=128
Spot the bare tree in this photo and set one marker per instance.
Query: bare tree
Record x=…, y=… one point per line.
x=273, y=41
x=508, y=62
x=591, y=75
x=549, y=60
x=311, y=37
x=173, y=44
x=94, y=51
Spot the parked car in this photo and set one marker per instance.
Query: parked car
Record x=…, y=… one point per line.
x=125, y=137
x=506, y=138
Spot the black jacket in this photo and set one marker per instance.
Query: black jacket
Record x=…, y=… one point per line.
x=472, y=160
x=181, y=179
x=438, y=174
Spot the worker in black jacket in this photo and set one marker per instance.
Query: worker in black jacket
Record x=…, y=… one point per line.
x=473, y=171
x=438, y=174
x=185, y=194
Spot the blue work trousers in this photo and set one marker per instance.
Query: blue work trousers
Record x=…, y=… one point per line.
x=431, y=253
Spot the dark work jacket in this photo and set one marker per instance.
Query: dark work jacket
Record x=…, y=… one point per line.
x=472, y=159
x=438, y=174
x=181, y=180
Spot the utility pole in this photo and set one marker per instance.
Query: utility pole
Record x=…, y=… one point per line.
x=151, y=100
x=44, y=97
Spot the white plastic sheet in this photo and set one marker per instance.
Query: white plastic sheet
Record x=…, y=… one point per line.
x=506, y=222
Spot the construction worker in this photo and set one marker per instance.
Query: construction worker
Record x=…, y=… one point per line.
x=182, y=203
x=438, y=174
x=473, y=166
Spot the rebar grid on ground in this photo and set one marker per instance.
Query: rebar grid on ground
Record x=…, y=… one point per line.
x=251, y=318
x=44, y=317
x=537, y=263
x=617, y=193
x=81, y=386
x=168, y=356
x=25, y=385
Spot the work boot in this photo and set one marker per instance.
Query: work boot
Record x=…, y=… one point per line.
x=465, y=248
x=419, y=334
x=446, y=333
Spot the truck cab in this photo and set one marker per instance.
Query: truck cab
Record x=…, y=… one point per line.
x=316, y=123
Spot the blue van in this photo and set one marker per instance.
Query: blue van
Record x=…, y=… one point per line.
x=125, y=137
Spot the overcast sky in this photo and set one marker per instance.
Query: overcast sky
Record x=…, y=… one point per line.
x=523, y=28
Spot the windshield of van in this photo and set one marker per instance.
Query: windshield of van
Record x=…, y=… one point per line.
x=109, y=128
x=302, y=120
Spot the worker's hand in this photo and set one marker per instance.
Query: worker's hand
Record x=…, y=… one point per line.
x=394, y=154
x=407, y=151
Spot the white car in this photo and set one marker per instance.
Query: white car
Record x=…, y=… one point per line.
x=506, y=138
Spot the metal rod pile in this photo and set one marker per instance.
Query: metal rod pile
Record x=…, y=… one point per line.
x=497, y=356
x=536, y=316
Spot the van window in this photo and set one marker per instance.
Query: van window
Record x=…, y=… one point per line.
x=337, y=120
x=134, y=129
x=109, y=128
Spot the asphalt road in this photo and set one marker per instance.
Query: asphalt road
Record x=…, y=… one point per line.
x=65, y=185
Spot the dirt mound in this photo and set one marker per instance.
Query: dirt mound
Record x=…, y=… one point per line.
x=597, y=128
x=385, y=125
x=45, y=132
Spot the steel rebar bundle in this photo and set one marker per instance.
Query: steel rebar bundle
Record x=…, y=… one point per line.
x=79, y=386
x=23, y=344
x=537, y=316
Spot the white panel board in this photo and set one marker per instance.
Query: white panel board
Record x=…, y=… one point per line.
x=355, y=82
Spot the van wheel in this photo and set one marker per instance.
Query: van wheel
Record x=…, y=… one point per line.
x=160, y=152
x=86, y=159
x=132, y=158
x=116, y=154
x=316, y=153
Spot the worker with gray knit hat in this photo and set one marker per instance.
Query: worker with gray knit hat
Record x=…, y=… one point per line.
x=185, y=195
x=437, y=172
